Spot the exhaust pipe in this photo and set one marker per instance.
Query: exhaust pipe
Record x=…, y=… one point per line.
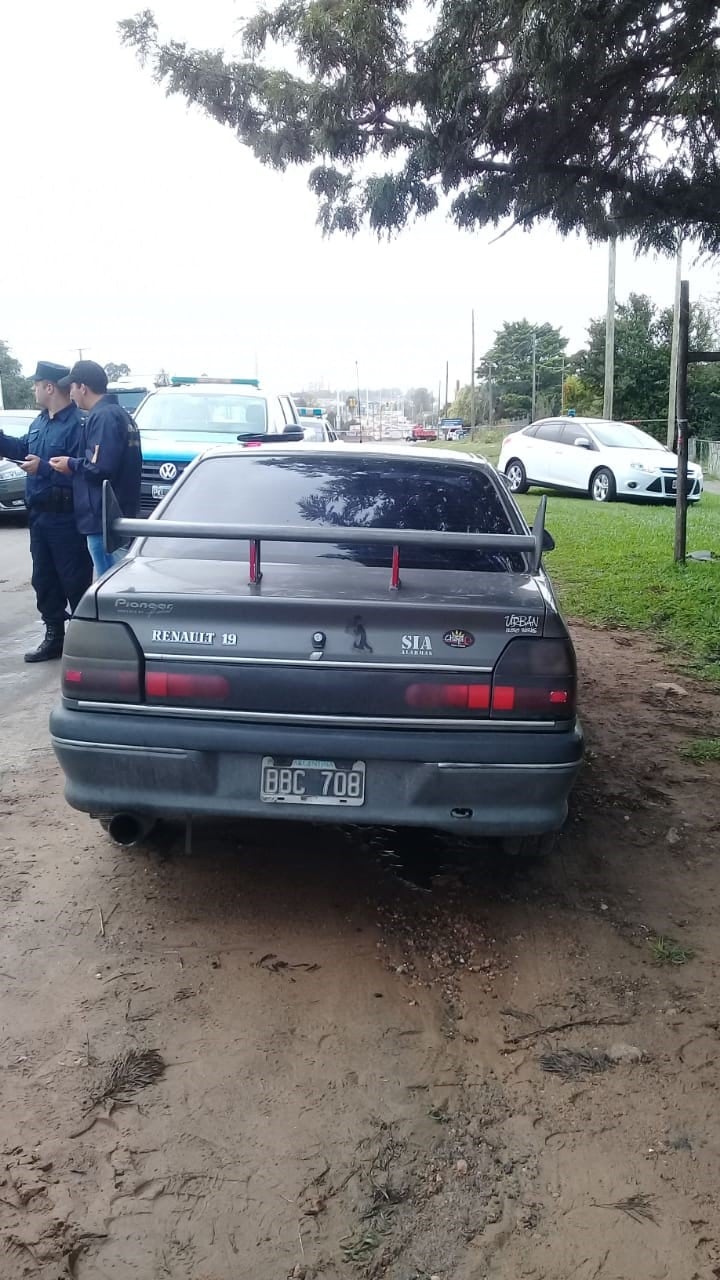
x=129, y=829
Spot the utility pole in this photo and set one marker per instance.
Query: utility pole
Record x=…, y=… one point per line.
x=682, y=425
x=439, y=392
x=534, y=375
x=673, y=394
x=491, y=407
x=610, y=330
x=359, y=401
x=447, y=383
x=472, y=380
x=562, y=384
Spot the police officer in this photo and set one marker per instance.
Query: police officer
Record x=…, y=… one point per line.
x=61, y=566
x=110, y=451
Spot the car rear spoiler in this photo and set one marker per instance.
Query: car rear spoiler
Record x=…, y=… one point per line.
x=118, y=529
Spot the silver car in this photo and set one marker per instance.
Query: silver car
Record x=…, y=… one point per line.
x=14, y=422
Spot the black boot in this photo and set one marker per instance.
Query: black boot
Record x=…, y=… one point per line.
x=51, y=647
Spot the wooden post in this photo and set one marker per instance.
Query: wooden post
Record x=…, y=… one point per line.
x=610, y=331
x=682, y=425
x=672, y=397
x=472, y=380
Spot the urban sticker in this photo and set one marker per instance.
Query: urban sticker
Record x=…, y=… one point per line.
x=522, y=624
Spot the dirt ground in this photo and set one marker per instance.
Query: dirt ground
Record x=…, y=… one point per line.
x=363, y=1035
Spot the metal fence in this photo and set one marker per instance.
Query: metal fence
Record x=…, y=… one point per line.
x=707, y=453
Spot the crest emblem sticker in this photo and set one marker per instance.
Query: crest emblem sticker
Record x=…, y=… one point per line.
x=457, y=638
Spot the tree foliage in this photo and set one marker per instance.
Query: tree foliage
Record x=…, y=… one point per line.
x=597, y=116
x=586, y=401
x=643, y=335
x=510, y=363
x=17, y=390
x=421, y=401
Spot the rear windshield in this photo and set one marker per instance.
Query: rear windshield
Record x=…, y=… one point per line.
x=129, y=399
x=374, y=493
x=312, y=431
x=172, y=411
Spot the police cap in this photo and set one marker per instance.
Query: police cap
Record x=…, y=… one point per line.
x=48, y=372
x=86, y=372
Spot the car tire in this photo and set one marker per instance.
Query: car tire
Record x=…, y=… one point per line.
x=516, y=476
x=602, y=486
x=530, y=847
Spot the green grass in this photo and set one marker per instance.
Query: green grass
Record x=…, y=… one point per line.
x=486, y=442
x=702, y=749
x=613, y=565
x=668, y=951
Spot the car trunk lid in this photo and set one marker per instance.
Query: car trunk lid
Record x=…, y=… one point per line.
x=321, y=641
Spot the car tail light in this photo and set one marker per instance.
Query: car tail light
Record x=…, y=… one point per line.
x=176, y=686
x=101, y=662
x=535, y=679
x=448, y=697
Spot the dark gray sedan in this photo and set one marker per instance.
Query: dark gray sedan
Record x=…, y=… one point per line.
x=334, y=635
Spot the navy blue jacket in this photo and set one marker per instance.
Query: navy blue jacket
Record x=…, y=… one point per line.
x=110, y=451
x=47, y=438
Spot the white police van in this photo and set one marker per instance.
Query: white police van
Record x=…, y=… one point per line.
x=178, y=422
x=316, y=426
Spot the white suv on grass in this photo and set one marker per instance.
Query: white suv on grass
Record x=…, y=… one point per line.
x=602, y=459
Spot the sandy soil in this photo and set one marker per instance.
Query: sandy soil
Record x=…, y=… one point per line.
x=363, y=1034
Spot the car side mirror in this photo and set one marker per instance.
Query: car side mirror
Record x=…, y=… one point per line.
x=548, y=541
x=582, y=442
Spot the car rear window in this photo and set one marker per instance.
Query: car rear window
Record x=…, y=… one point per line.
x=374, y=493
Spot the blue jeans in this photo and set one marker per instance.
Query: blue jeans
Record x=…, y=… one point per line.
x=100, y=557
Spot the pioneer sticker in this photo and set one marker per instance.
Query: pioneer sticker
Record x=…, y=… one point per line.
x=142, y=606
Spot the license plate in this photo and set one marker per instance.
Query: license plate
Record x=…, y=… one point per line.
x=312, y=782
x=159, y=490
x=673, y=486
x=17, y=502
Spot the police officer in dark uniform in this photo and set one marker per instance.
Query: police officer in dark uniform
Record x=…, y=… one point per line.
x=110, y=450
x=61, y=565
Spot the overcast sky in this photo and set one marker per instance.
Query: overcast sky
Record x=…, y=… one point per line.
x=141, y=231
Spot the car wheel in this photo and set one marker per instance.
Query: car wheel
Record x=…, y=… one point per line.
x=602, y=486
x=530, y=846
x=516, y=476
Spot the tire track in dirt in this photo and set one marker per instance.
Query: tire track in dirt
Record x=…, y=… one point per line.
x=368, y=1112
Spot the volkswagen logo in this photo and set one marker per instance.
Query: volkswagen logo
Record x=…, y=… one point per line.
x=168, y=471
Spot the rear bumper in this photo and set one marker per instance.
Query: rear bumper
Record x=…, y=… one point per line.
x=486, y=783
